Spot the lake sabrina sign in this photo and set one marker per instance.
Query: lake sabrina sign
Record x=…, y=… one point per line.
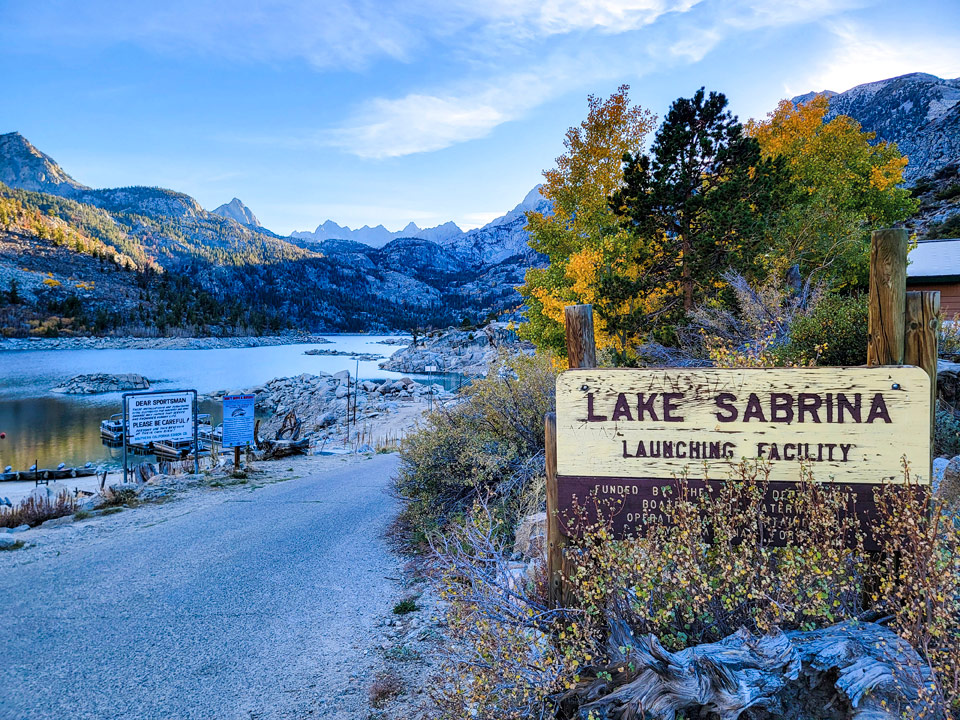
x=625, y=435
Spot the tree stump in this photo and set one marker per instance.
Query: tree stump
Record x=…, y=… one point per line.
x=849, y=671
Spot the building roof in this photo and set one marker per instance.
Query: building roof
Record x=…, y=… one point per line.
x=933, y=260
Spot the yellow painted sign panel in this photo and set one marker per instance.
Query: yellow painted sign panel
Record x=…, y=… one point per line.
x=850, y=424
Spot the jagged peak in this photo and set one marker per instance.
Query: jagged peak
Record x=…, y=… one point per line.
x=236, y=210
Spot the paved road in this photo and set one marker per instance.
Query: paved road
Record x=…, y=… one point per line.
x=259, y=605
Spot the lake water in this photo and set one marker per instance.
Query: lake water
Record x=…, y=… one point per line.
x=50, y=428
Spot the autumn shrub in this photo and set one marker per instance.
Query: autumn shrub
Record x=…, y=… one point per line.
x=489, y=444
x=33, y=510
x=501, y=660
x=753, y=333
x=698, y=579
x=834, y=333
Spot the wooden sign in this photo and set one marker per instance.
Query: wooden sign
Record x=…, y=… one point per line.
x=624, y=435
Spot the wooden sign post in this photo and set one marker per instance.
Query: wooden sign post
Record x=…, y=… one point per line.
x=623, y=435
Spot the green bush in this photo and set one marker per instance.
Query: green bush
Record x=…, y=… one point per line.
x=835, y=333
x=488, y=445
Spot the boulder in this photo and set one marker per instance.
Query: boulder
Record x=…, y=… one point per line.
x=124, y=492
x=58, y=522
x=531, y=536
x=8, y=540
x=49, y=493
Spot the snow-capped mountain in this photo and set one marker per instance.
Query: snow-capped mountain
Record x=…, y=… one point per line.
x=504, y=237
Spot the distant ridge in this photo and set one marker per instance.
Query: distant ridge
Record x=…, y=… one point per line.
x=377, y=236
x=495, y=242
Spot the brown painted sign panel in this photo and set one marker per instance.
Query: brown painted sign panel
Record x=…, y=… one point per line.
x=624, y=435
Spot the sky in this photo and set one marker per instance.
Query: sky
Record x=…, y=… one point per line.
x=370, y=112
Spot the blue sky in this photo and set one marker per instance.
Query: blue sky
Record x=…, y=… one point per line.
x=371, y=112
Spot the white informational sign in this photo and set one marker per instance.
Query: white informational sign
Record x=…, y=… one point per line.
x=160, y=416
x=238, y=420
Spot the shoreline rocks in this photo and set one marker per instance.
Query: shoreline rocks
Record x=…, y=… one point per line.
x=157, y=343
x=468, y=352
x=320, y=401
x=102, y=383
x=344, y=353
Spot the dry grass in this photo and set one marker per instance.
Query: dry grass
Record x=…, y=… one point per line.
x=32, y=511
x=386, y=686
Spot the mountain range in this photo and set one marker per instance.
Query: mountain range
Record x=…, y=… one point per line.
x=496, y=241
x=62, y=244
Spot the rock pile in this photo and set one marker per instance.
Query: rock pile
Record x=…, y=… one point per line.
x=457, y=351
x=102, y=383
x=320, y=400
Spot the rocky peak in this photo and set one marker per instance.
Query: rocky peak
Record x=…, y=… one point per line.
x=24, y=167
x=236, y=210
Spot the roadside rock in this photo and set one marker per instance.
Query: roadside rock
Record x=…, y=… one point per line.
x=948, y=382
x=102, y=383
x=49, y=493
x=531, y=536
x=457, y=351
x=320, y=401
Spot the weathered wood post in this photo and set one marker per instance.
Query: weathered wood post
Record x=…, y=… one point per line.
x=581, y=343
x=920, y=321
x=581, y=353
x=888, y=290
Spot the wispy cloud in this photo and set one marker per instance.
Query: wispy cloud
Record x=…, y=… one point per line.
x=432, y=120
x=417, y=122
x=861, y=56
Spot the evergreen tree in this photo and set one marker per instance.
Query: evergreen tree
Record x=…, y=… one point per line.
x=701, y=197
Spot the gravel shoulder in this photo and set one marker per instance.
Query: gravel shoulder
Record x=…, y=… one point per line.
x=265, y=600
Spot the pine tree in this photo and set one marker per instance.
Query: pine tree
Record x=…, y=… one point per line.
x=703, y=194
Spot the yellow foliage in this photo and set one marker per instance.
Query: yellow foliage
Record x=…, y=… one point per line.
x=581, y=237
x=844, y=184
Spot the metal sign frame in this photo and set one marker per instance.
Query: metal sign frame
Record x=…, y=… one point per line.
x=126, y=430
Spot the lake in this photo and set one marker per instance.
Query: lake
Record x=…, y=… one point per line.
x=51, y=428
